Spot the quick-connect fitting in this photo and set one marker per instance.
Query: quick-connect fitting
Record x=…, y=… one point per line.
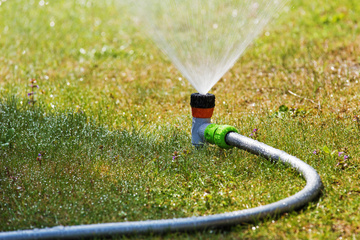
x=216, y=134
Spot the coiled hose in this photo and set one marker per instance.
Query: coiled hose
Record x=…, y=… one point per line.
x=307, y=194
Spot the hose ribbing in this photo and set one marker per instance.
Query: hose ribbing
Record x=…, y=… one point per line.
x=307, y=194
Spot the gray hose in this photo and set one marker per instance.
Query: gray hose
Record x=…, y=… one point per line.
x=307, y=194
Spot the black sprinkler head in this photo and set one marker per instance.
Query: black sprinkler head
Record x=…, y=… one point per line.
x=202, y=101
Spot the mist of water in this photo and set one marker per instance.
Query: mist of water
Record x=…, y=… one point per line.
x=204, y=38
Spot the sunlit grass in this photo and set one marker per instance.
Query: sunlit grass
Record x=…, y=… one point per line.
x=65, y=163
x=112, y=122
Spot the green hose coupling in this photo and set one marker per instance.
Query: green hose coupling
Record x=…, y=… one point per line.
x=216, y=134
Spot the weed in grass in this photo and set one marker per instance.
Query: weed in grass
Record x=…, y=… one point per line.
x=31, y=94
x=254, y=133
x=39, y=158
x=343, y=160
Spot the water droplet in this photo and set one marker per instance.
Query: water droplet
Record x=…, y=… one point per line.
x=82, y=51
x=97, y=22
x=234, y=13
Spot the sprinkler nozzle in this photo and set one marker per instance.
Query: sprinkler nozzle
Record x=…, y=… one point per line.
x=202, y=105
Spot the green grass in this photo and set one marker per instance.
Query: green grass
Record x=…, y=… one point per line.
x=112, y=122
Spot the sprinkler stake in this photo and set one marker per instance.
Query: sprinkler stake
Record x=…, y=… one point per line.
x=202, y=108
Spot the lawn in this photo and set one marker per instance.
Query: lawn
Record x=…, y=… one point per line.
x=106, y=137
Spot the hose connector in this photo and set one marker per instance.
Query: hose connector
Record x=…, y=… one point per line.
x=216, y=134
